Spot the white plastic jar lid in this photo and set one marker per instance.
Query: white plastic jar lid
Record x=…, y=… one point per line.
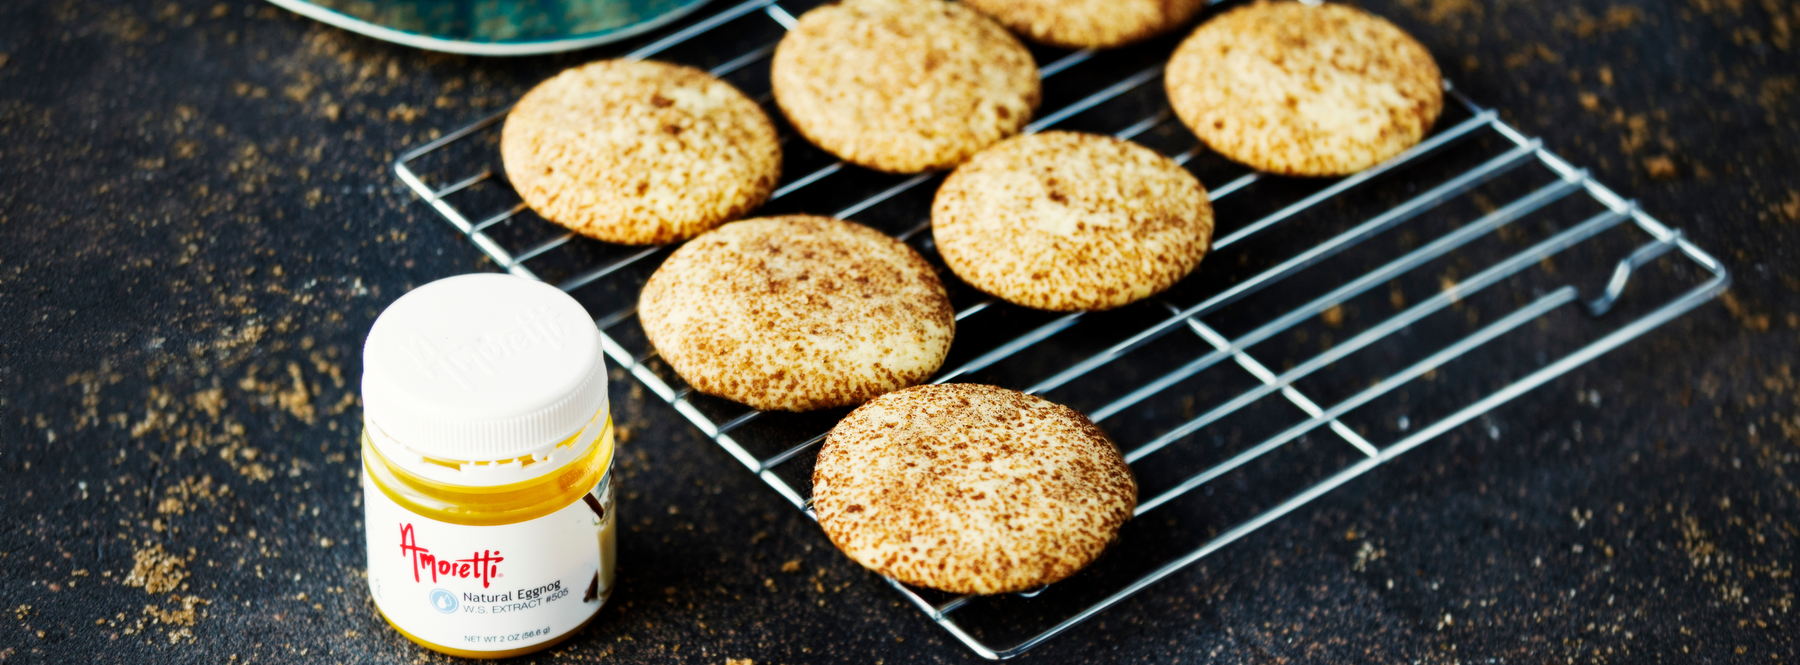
x=483, y=367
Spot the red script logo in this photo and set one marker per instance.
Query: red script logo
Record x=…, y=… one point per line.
x=480, y=565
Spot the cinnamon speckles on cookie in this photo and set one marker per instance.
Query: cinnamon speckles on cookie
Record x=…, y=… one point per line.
x=903, y=85
x=1089, y=23
x=971, y=488
x=1298, y=90
x=1066, y=221
x=798, y=313
x=639, y=152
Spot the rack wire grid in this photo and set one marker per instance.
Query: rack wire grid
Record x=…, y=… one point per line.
x=1335, y=325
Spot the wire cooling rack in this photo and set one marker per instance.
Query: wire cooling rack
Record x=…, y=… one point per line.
x=1335, y=325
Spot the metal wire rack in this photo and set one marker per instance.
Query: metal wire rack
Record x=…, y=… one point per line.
x=1385, y=308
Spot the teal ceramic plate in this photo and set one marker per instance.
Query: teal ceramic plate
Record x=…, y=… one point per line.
x=495, y=27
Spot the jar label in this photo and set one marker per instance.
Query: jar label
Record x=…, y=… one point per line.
x=490, y=588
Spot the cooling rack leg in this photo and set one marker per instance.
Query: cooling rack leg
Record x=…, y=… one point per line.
x=1693, y=298
x=1622, y=273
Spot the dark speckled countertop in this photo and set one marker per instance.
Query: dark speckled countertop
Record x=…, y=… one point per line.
x=198, y=224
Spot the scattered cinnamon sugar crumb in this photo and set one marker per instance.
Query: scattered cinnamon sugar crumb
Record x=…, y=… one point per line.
x=405, y=113
x=211, y=401
x=184, y=616
x=256, y=471
x=792, y=566
x=1753, y=321
x=182, y=496
x=156, y=571
x=296, y=400
x=344, y=404
x=1453, y=11
x=1368, y=552
x=1637, y=131
x=1789, y=208
x=296, y=396
x=1660, y=167
x=1334, y=316
x=1620, y=17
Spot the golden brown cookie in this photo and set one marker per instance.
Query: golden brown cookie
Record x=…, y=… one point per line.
x=1298, y=90
x=639, y=152
x=903, y=85
x=1066, y=221
x=797, y=313
x=1089, y=23
x=971, y=489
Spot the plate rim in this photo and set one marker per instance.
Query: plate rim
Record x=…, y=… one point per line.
x=429, y=43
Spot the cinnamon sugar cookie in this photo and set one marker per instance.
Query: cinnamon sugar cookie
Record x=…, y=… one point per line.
x=797, y=313
x=1089, y=23
x=1300, y=90
x=639, y=152
x=1066, y=221
x=903, y=85
x=971, y=489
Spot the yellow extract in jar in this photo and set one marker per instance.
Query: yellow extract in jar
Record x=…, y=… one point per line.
x=487, y=455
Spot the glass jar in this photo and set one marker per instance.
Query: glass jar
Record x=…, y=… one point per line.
x=487, y=456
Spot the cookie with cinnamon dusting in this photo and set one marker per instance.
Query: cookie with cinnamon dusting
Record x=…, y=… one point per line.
x=798, y=313
x=903, y=85
x=1066, y=221
x=639, y=152
x=1301, y=90
x=971, y=489
x=1089, y=23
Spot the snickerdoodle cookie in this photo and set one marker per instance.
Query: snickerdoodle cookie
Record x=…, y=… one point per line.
x=971, y=489
x=1304, y=90
x=903, y=85
x=1089, y=23
x=639, y=152
x=1066, y=221
x=797, y=313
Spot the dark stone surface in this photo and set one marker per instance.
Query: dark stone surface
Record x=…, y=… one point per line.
x=198, y=223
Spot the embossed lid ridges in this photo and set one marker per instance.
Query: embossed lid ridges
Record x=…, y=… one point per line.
x=482, y=367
